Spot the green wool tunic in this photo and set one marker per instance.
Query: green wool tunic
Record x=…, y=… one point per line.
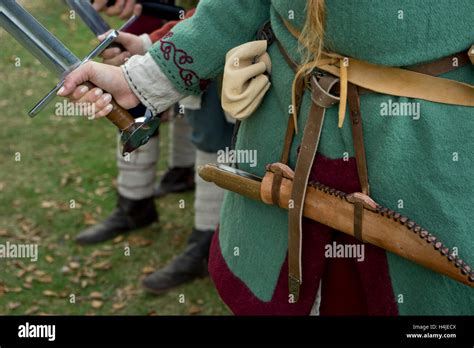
x=420, y=167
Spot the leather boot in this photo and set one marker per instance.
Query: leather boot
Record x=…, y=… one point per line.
x=176, y=180
x=191, y=264
x=129, y=216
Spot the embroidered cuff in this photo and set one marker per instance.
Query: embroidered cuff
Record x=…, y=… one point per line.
x=150, y=85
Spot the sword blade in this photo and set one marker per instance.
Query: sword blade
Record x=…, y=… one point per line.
x=51, y=52
x=89, y=16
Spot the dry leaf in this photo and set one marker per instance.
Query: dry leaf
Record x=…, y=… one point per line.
x=138, y=241
x=118, y=239
x=48, y=204
x=96, y=295
x=118, y=306
x=39, y=273
x=50, y=293
x=101, y=253
x=193, y=310
x=3, y=232
x=45, y=279
x=49, y=259
x=20, y=273
x=97, y=304
x=32, y=310
x=27, y=286
x=15, y=289
x=31, y=267
x=148, y=269
x=74, y=265
x=104, y=265
x=13, y=305
x=84, y=283
x=89, y=219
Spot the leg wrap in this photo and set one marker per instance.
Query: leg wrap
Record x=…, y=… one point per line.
x=182, y=150
x=137, y=170
x=209, y=197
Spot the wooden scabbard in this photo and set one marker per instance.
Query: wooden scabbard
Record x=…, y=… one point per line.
x=382, y=227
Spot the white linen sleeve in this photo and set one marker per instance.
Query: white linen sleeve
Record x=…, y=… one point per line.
x=150, y=84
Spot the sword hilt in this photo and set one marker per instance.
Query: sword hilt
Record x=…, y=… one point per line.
x=118, y=116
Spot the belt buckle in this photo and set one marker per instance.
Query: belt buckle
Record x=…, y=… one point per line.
x=321, y=86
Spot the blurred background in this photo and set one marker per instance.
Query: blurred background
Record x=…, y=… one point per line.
x=49, y=162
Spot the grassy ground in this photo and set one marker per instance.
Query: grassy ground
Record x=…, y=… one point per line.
x=48, y=161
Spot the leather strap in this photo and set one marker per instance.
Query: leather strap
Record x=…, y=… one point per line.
x=322, y=99
x=443, y=65
x=361, y=161
x=276, y=185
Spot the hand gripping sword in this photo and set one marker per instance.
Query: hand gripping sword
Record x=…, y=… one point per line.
x=59, y=60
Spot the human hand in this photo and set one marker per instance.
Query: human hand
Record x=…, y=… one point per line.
x=105, y=77
x=133, y=45
x=122, y=8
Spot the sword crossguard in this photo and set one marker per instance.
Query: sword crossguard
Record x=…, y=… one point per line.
x=135, y=132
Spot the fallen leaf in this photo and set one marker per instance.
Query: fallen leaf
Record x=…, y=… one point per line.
x=3, y=232
x=118, y=239
x=139, y=241
x=74, y=265
x=31, y=268
x=84, y=283
x=97, y=304
x=148, y=269
x=20, y=273
x=96, y=295
x=49, y=259
x=48, y=204
x=27, y=285
x=15, y=289
x=13, y=305
x=103, y=266
x=50, y=293
x=100, y=191
x=32, y=310
x=89, y=273
x=89, y=219
x=45, y=279
x=118, y=306
x=193, y=310
x=101, y=253
x=39, y=273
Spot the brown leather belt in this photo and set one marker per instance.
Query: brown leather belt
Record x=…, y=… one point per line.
x=322, y=84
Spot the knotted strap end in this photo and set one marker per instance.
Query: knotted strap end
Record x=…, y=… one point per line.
x=294, y=288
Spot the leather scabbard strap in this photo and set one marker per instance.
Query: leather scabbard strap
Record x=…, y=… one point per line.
x=361, y=161
x=322, y=99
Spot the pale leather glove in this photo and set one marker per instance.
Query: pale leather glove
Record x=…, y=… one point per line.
x=245, y=83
